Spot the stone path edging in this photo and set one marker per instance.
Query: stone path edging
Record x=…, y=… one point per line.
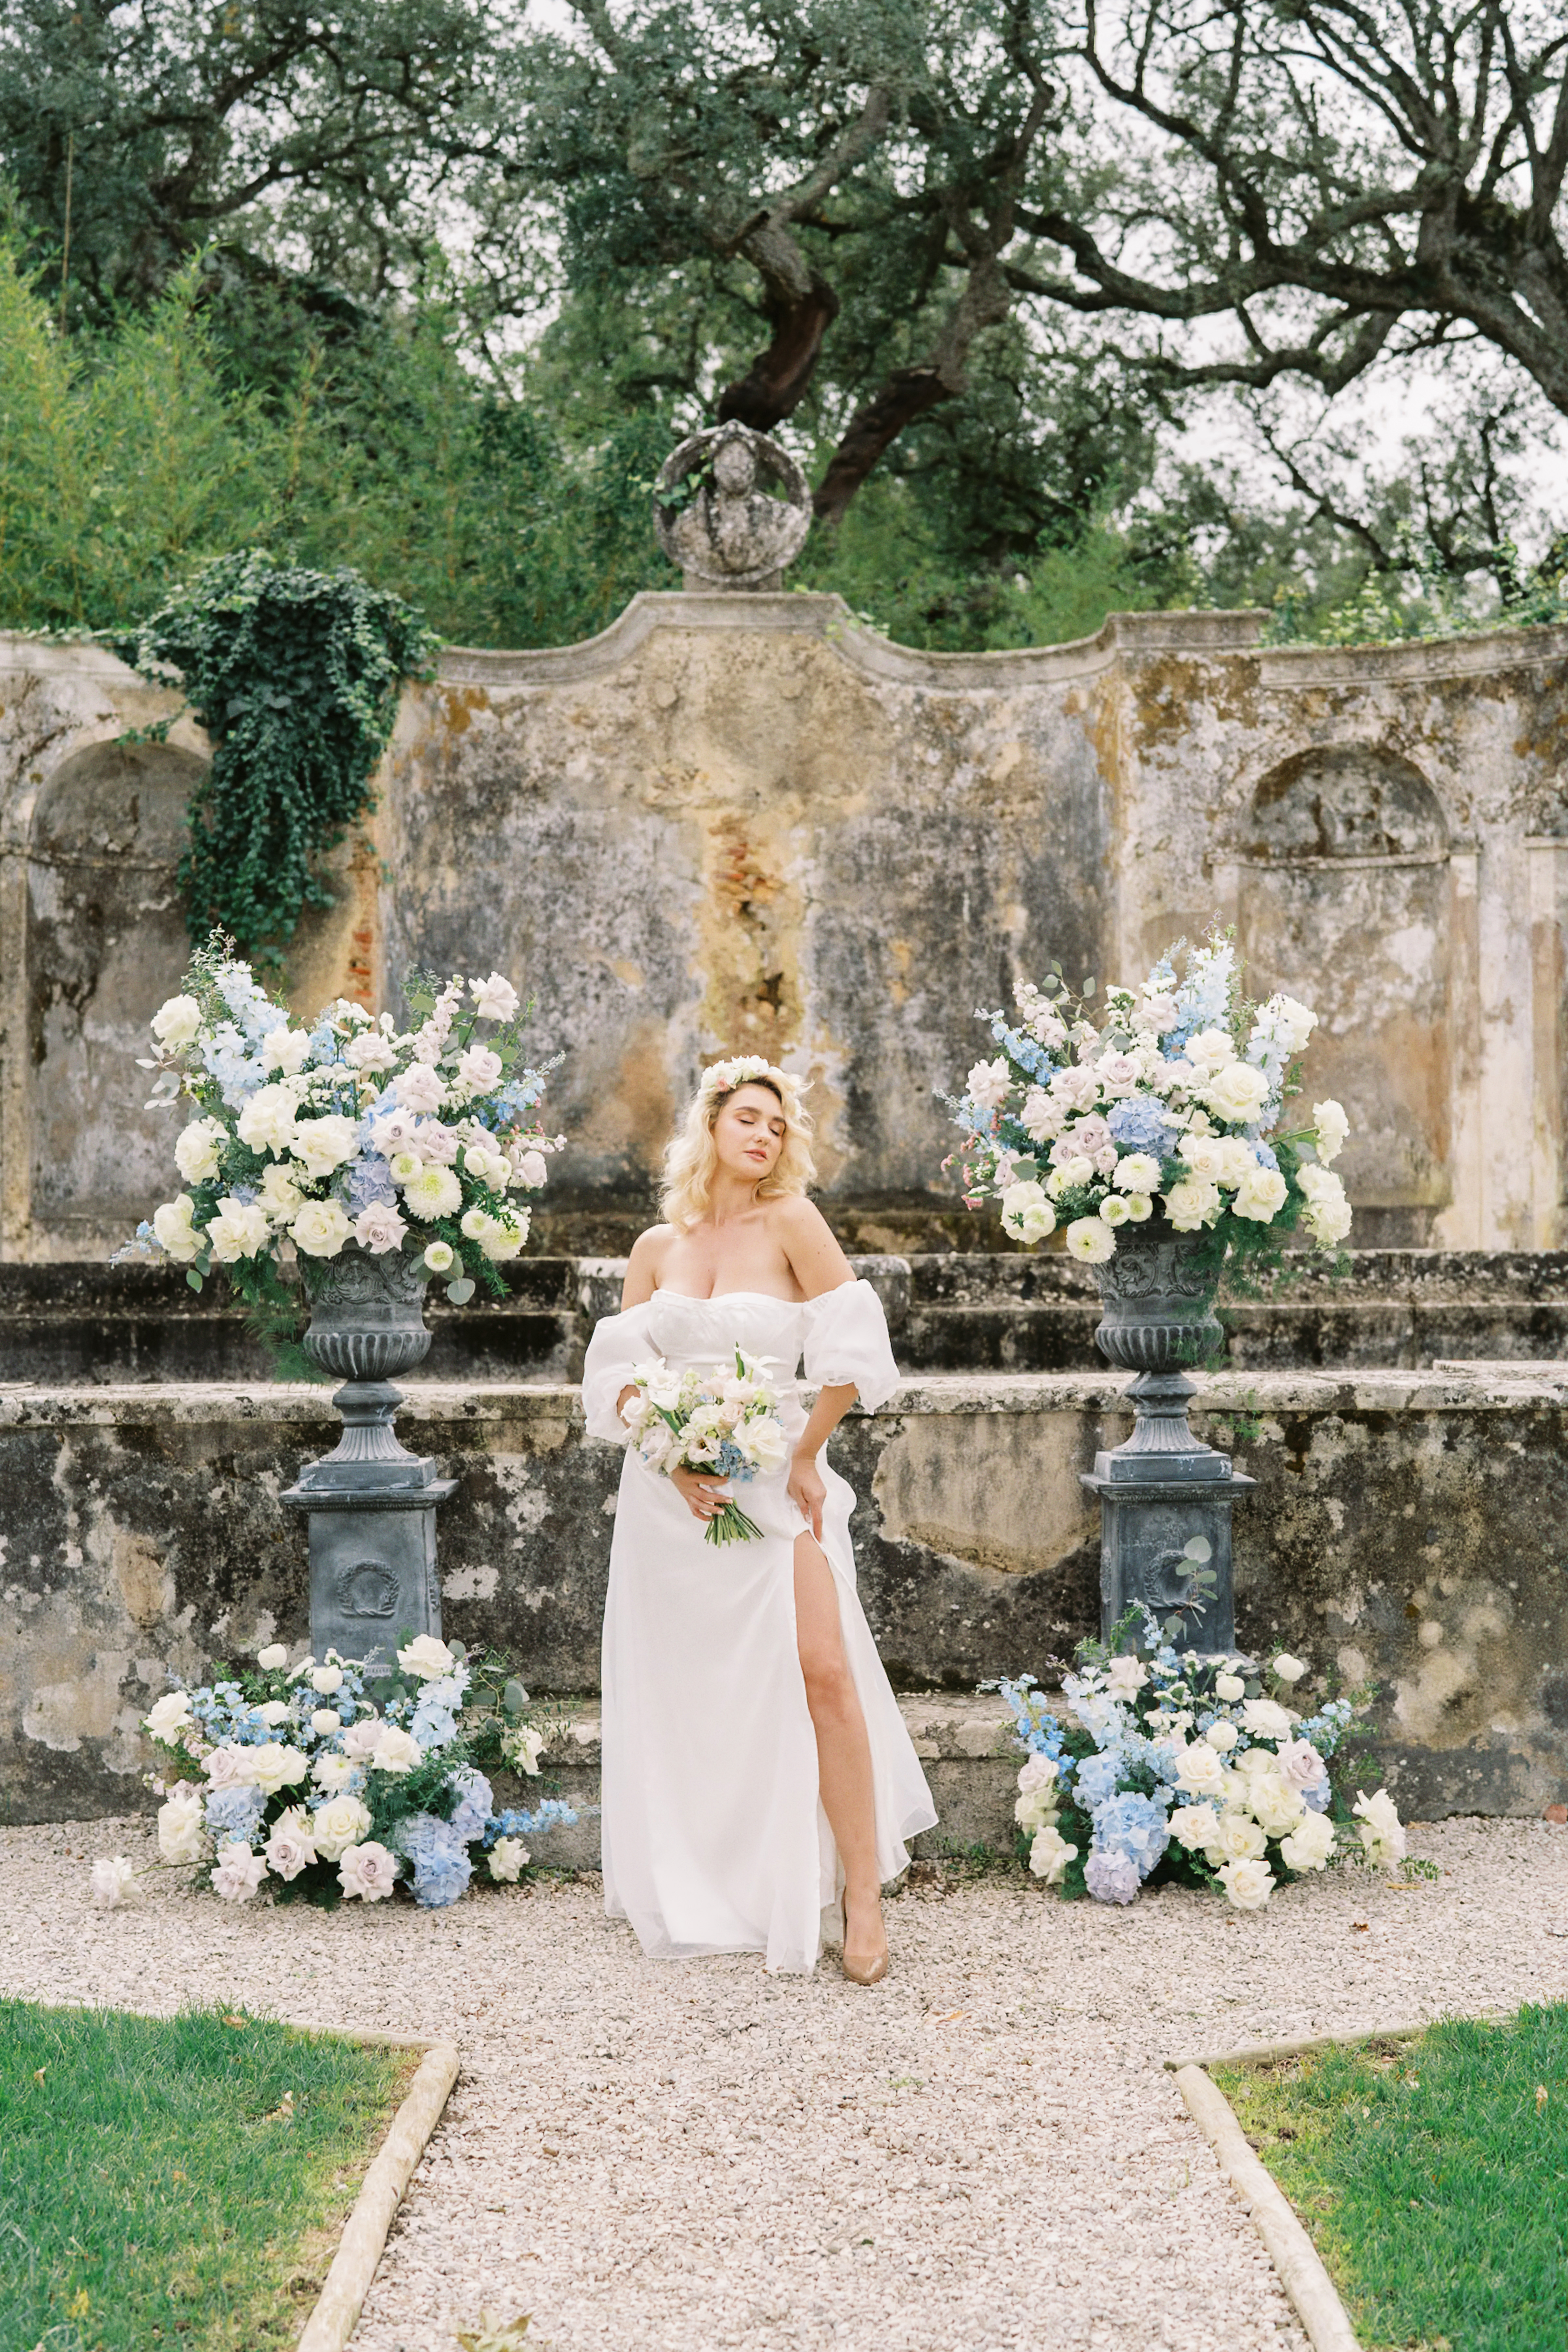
x=1313, y=2295
x=337, y=2307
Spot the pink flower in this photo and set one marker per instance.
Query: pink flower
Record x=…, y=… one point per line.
x=393, y=1130
x=379, y=1228
x=368, y=1871
x=479, y=1068
x=419, y=1089
x=437, y=1145
x=1118, y=1073
x=1090, y=1136
x=239, y=1872
x=531, y=1171
x=1301, y=1765
x=359, y=1739
x=227, y=1766
x=1077, y=1087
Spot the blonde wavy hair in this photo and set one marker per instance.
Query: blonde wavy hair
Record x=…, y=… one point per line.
x=692, y=1156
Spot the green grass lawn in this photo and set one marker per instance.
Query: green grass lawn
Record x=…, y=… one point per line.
x=175, y=2181
x=1432, y=2176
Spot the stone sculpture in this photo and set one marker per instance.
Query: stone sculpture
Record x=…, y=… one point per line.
x=732, y=532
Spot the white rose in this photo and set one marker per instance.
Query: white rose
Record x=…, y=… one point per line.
x=1191, y=1203
x=988, y=1083
x=322, y=1144
x=272, y=1657
x=239, y=1872
x=396, y=1750
x=368, y=1871
x=1332, y=1126
x=273, y=1711
x=168, y=1718
x=181, y=1832
x=1050, y=1854
x=1238, y=1092
x=429, y=1659
x=1230, y=1688
x=196, y=1150
x=1202, y=1773
x=1249, y=1884
x=1328, y=1220
x=177, y=1022
x=1265, y=1719
x=1379, y=1828
x=1139, y=1172
x=1090, y=1240
x=434, y=1193
x=325, y=1721
x=478, y=1067
x=494, y=998
x=507, y=1856
x=326, y=1679
x=1310, y=1844
x=1211, y=1049
x=239, y=1230
x=286, y=1051
x=273, y=1767
x=1038, y=1772
x=175, y=1232
x=1204, y=1155
x=268, y=1121
x=1289, y=1669
x=1278, y=1806
x=1196, y=1827
x=1221, y=1737
x=1040, y=1116
x=320, y=1229
x=1239, y=1839
x=279, y=1195
x=339, y=1824
x=1261, y=1195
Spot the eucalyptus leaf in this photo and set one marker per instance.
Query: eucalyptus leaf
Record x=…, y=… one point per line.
x=461, y=1292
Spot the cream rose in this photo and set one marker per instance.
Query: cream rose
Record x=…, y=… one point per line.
x=1236, y=1093
x=1332, y=1126
x=274, y=1767
x=196, y=1150
x=1192, y=1203
x=1201, y=1773
x=1310, y=1844
x=268, y=1121
x=339, y=1824
x=173, y=1231
x=320, y=1229
x=396, y=1750
x=177, y=1022
x=285, y=1050
x=1050, y=1853
x=429, y=1659
x=1196, y=1827
x=1261, y=1195
x=239, y=1230
x=1238, y=1839
x=279, y=1194
x=168, y=1718
x=507, y=1856
x=322, y=1144
x=494, y=998
x=1249, y=1884
x=181, y=1831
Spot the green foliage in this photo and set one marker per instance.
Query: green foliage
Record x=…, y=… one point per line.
x=1432, y=2174
x=295, y=674
x=159, y=2176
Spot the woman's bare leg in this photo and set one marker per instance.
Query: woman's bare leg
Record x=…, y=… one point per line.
x=843, y=1748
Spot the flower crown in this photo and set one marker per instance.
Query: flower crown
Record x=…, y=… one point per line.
x=723, y=1078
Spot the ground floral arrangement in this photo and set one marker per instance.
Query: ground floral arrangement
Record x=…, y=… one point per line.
x=727, y=1428
x=1174, y=1101
x=1166, y=1766
x=347, y=1130
x=295, y=1778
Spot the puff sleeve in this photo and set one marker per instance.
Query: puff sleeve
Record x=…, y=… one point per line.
x=846, y=1341
x=619, y=1344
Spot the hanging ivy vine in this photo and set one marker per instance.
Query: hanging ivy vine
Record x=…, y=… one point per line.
x=294, y=676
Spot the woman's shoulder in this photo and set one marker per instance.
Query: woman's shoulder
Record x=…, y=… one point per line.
x=644, y=1265
x=810, y=1244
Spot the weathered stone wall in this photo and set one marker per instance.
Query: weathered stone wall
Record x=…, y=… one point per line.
x=745, y=821
x=1406, y=1526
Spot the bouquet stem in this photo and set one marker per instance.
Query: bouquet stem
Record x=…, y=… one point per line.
x=730, y=1526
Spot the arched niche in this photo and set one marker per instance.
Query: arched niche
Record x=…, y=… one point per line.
x=1344, y=901
x=106, y=944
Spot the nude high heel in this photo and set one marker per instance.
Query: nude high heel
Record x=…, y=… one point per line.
x=872, y=1973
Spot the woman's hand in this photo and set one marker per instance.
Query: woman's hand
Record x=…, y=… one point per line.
x=704, y=1493
x=621, y=1401
x=807, y=1491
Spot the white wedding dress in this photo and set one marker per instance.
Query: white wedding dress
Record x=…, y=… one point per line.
x=713, y=1836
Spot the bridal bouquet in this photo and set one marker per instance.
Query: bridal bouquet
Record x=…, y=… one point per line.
x=295, y=1774
x=1169, y=1766
x=345, y=1130
x=727, y=1428
x=1172, y=1106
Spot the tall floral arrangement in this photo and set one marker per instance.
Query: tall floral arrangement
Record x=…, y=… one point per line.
x=310, y=1777
x=1172, y=1106
x=1167, y=1765
x=345, y=1130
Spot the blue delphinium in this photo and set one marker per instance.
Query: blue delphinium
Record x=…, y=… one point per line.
x=1141, y=1124
x=234, y=1811
x=1133, y=1825
x=550, y=1813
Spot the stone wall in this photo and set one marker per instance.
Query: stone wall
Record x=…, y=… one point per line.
x=1406, y=1528
x=746, y=821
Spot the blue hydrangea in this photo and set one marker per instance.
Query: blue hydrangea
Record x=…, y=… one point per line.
x=1139, y=1123
x=441, y=1866
x=1097, y=1776
x=234, y=1812
x=369, y=1182
x=473, y=1805
x=1133, y=1825
x=1264, y=1156
x=1111, y=1877
x=1318, y=1800
x=437, y=1885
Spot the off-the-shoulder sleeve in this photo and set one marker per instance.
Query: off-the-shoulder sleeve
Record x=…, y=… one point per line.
x=620, y=1342
x=846, y=1341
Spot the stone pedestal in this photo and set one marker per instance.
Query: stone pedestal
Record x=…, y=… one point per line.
x=370, y=1504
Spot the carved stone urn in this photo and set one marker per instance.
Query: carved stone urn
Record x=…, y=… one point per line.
x=372, y=1504
x=1165, y=1497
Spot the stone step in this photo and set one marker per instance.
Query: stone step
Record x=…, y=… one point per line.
x=961, y=1311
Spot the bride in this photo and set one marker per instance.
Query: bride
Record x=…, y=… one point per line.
x=755, y=1761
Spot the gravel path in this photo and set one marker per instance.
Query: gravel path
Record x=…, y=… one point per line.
x=983, y=2152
